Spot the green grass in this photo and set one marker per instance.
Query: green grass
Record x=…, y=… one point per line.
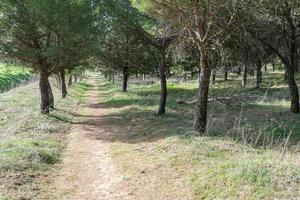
x=31, y=143
x=11, y=76
x=249, y=151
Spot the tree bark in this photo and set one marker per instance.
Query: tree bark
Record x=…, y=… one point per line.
x=51, y=97
x=45, y=99
x=291, y=66
x=213, y=77
x=295, y=64
x=294, y=92
x=258, y=73
x=163, y=81
x=200, y=117
x=125, y=78
x=226, y=75
x=64, y=91
x=245, y=75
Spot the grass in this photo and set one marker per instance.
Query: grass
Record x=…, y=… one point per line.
x=250, y=151
x=31, y=143
x=11, y=76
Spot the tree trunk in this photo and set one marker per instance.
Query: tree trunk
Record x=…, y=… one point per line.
x=226, y=75
x=51, y=97
x=200, y=117
x=45, y=99
x=245, y=75
x=273, y=66
x=70, y=83
x=291, y=66
x=113, y=79
x=295, y=64
x=163, y=82
x=213, y=77
x=63, y=84
x=199, y=76
x=258, y=73
x=294, y=93
x=125, y=78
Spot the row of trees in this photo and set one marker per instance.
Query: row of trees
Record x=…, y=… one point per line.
x=123, y=37
x=51, y=37
x=230, y=32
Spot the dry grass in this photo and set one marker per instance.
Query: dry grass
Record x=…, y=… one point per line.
x=31, y=143
x=250, y=151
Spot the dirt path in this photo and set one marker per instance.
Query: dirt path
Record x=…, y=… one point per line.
x=88, y=169
x=91, y=173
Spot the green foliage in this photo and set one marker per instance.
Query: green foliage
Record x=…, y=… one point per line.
x=47, y=35
x=11, y=76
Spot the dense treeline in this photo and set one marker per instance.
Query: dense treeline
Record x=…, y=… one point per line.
x=157, y=38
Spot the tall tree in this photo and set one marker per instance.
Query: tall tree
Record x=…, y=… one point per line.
x=39, y=33
x=274, y=24
x=205, y=24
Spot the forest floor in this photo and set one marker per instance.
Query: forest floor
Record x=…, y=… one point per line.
x=101, y=143
x=90, y=171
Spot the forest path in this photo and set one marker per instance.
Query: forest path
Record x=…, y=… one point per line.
x=88, y=172
x=97, y=166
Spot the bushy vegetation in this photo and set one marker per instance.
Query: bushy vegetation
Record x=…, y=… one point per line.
x=11, y=76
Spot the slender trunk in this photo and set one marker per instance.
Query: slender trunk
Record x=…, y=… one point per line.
x=200, y=117
x=273, y=66
x=258, y=74
x=297, y=57
x=70, y=83
x=63, y=84
x=213, y=77
x=199, y=75
x=45, y=99
x=185, y=77
x=113, y=79
x=163, y=81
x=294, y=93
x=291, y=67
x=226, y=75
x=245, y=75
x=51, y=97
x=125, y=78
